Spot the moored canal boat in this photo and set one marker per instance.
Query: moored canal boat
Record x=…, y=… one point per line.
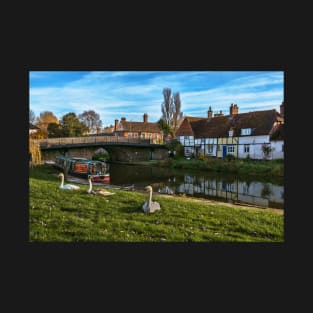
x=82, y=167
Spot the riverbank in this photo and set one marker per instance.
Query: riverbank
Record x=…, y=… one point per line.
x=71, y=216
x=243, y=167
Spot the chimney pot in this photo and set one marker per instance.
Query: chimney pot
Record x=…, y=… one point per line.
x=145, y=118
x=282, y=109
x=210, y=112
x=115, y=125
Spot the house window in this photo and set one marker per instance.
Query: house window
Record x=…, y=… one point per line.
x=210, y=148
x=143, y=135
x=246, y=148
x=245, y=131
x=135, y=135
x=230, y=149
x=218, y=147
x=188, y=151
x=230, y=133
x=129, y=135
x=186, y=137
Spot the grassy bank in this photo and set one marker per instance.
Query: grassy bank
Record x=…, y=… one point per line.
x=62, y=215
x=243, y=167
x=274, y=168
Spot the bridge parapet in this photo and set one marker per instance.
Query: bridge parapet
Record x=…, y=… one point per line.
x=96, y=140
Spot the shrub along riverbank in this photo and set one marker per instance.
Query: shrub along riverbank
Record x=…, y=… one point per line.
x=272, y=168
x=236, y=166
x=66, y=216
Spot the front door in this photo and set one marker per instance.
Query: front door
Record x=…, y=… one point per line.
x=224, y=151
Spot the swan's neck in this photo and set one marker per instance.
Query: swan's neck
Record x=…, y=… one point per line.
x=90, y=186
x=62, y=181
x=150, y=198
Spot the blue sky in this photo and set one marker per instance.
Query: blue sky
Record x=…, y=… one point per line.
x=130, y=94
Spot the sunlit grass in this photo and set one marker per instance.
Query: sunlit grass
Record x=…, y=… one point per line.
x=66, y=216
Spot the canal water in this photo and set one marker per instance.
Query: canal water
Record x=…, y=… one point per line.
x=196, y=183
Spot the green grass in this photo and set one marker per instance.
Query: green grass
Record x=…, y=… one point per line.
x=75, y=216
x=274, y=168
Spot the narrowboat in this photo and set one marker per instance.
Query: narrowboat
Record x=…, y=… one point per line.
x=82, y=167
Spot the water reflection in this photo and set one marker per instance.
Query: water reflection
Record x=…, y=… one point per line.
x=199, y=184
x=256, y=193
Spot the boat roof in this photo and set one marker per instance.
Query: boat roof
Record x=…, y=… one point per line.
x=78, y=159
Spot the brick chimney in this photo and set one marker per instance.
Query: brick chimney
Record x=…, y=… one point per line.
x=233, y=109
x=219, y=114
x=210, y=113
x=282, y=109
x=115, y=125
x=145, y=118
x=123, y=119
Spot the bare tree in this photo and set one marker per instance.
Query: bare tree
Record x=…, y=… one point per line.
x=167, y=106
x=32, y=117
x=91, y=119
x=177, y=114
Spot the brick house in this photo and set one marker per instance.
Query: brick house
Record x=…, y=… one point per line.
x=142, y=130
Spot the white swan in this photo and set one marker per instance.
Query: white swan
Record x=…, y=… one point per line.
x=150, y=206
x=67, y=186
x=98, y=191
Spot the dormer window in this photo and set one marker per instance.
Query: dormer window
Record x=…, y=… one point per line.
x=231, y=133
x=245, y=131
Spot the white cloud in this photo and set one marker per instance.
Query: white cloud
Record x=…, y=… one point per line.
x=112, y=94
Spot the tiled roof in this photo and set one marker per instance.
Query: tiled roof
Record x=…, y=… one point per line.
x=140, y=127
x=185, y=128
x=261, y=123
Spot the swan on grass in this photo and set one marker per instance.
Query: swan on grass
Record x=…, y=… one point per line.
x=67, y=186
x=98, y=191
x=150, y=206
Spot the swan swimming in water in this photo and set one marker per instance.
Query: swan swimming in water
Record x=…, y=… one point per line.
x=150, y=206
x=67, y=186
x=98, y=191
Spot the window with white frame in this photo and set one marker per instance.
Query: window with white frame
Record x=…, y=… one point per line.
x=129, y=135
x=135, y=135
x=143, y=135
x=245, y=131
x=230, y=149
x=155, y=135
x=188, y=150
x=246, y=148
x=210, y=148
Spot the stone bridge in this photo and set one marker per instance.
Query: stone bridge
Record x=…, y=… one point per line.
x=120, y=149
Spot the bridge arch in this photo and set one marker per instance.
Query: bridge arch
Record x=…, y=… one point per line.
x=120, y=149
